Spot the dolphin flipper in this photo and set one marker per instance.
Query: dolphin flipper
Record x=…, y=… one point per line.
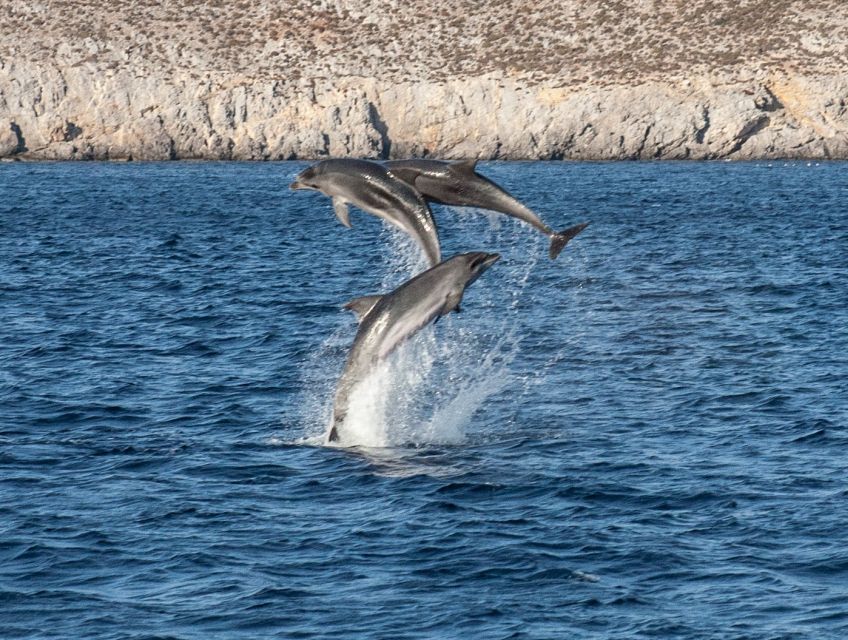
x=452, y=301
x=559, y=240
x=342, y=211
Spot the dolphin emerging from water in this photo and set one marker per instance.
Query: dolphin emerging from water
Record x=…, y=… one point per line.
x=387, y=321
x=458, y=184
x=370, y=186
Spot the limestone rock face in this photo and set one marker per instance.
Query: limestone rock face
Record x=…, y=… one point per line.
x=74, y=114
x=573, y=79
x=9, y=143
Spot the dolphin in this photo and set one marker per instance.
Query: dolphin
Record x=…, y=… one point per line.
x=370, y=186
x=458, y=184
x=386, y=321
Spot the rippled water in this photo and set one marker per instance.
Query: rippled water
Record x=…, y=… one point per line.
x=645, y=438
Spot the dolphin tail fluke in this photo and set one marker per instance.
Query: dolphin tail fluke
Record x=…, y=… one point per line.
x=559, y=240
x=333, y=434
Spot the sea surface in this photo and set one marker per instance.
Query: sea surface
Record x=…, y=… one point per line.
x=645, y=438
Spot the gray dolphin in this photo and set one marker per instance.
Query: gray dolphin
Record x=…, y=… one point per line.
x=370, y=186
x=387, y=321
x=458, y=184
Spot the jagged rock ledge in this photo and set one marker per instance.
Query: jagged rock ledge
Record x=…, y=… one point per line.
x=76, y=113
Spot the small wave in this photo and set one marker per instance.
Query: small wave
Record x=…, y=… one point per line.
x=172, y=241
x=813, y=436
x=191, y=348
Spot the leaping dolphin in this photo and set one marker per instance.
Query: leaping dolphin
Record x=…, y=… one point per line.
x=373, y=189
x=458, y=184
x=385, y=322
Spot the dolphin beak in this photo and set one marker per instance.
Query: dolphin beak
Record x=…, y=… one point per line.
x=480, y=263
x=294, y=186
x=483, y=261
x=489, y=260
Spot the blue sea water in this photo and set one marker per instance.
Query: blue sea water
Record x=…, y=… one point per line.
x=643, y=439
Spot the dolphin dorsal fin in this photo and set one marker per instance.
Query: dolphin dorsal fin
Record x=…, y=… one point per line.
x=465, y=166
x=361, y=306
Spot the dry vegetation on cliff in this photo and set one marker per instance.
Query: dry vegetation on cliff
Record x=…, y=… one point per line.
x=263, y=79
x=567, y=42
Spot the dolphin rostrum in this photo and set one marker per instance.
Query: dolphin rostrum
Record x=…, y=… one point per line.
x=458, y=184
x=385, y=322
x=370, y=186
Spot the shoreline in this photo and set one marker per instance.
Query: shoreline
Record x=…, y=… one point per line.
x=85, y=161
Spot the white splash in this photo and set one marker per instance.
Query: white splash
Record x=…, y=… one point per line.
x=430, y=390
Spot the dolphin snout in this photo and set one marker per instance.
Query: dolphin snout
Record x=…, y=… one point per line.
x=481, y=261
x=489, y=260
x=294, y=186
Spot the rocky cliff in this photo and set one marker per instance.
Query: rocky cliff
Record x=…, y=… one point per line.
x=588, y=79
